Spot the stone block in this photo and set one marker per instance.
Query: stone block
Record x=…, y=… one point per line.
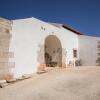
x=41, y=67
x=3, y=85
x=40, y=72
x=2, y=81
x=19, y=78
x=11, y=80
x=26, y=76
x=63, y=65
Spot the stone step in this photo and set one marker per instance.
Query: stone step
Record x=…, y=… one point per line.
x=26, y=76
x=3, y=85
x=2, y=81
x=19, y=78
x=11, y=80
x=40, y=72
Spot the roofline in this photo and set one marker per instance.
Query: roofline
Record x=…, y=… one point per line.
x=71, y=29
x=4, y=19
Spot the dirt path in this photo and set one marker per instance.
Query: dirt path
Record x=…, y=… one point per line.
x=80, y=83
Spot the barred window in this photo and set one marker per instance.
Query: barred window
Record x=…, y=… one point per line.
x=99, y=46
x=74, y=53
x=98, y=42
x=98, y=54
x=98, y=59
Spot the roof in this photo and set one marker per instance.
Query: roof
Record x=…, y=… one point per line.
x=71, y=29
x=66, y=27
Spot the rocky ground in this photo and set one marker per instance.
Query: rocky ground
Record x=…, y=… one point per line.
x=80, y=83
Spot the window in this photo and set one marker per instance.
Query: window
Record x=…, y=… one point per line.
x=98, y=49
x=99, y=46
x=98, y=54
x=74, y=53
x=98, y=42
x=98, y=59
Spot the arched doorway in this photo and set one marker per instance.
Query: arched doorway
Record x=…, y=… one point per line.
x=53, y=51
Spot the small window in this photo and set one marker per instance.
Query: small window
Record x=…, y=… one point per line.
x=98, y=59
x=98, y=54
x=99, y=46
x=75, y=53
x=98, y=42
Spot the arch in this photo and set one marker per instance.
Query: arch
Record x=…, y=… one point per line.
x=53, y=51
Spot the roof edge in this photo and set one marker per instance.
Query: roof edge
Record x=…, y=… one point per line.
x=71, y=29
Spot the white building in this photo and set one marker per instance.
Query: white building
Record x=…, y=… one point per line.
x=29, y=45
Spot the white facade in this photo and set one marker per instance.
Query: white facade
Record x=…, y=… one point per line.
x=88, y=50
x=28, y=39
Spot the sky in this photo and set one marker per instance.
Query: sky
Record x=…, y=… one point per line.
x=82, y=15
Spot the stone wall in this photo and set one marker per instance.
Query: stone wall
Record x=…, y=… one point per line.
x=5, y=28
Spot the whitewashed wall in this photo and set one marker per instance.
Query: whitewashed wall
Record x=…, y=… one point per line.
x=88, y=50
x=28, y=36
